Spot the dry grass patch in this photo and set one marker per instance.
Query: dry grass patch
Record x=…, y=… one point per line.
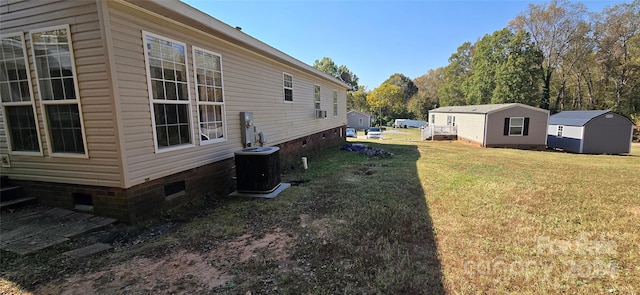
x=511, y=221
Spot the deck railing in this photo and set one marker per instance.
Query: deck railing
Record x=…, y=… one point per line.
x=430, y=131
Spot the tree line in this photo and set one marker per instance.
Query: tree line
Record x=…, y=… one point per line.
x=555, y=56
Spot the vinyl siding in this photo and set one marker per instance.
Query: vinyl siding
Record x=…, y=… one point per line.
x=538, y=121
x=252, y=83
x=570, y=141
x=470, y=126
x=567, y=131
x=353, y=120
x=102, y=167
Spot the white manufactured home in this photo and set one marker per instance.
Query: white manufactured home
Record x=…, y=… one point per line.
x=512, y=125
x=128, y=107
x=590, y=132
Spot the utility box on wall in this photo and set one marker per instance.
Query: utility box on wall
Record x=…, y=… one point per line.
x=258, y=169
x=247, y=130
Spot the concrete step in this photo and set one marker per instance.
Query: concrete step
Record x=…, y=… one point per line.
x=18, y=202
x=8, y=193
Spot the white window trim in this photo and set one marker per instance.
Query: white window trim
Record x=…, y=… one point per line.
x=317, y=100
x=284, y=97
x=198, y=102
x=151, y=100
x=335, y=103
x=560, y=131
x=44, y=103
x=521, y=127
x=31, y=102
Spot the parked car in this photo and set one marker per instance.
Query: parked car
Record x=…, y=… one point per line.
x=374, y=132
x=351, y=132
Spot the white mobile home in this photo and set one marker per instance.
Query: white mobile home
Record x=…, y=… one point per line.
x=590, y=132
x=133, y=106
x=512, y=125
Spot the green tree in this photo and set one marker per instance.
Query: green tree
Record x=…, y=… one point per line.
x=405, y=83
x=427, y=96
x=420, y=105
x=386, y=101
x=357, y=100
x=504, y=70
x=574, y=71
x=430, y=82
x=517, y=75
x=617, y=35
x=353, y=82
x=328, y=66
x=479, y=86
x=551, y=28
x=450, y=93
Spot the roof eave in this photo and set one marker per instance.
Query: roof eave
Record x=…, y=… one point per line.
x=195, y=18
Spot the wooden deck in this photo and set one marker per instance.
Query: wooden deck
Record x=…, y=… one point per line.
x=32, y=229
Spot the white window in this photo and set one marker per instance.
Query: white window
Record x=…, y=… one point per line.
x=335, y=103
x=451, y=120
x=168, y=91
x=316, y=96
x=288, y=86
x=516, y=126
x=15, y=91
x=210, y=94
x=58, y=90
x=433, y=119
x=560, y=130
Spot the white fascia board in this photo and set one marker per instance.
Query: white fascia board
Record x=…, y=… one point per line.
x=235, y=35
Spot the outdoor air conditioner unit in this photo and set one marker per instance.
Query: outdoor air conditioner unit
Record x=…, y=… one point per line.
x=321, y=114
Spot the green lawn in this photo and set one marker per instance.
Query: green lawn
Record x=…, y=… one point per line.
x=436, y=217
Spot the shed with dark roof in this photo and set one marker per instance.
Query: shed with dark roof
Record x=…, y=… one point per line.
x=590, y=132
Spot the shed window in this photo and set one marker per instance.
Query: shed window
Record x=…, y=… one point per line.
x=15, y=91
x=288, y=86
x=208, y=73
x=516, y=126
x=57, y=83
x=168, y=91
x=316, y=96
x=335, y=103
x=560, y=130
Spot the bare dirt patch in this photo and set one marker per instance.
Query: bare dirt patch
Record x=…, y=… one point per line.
x=275, y=243
x=634, y=210
x=322, y=226
x=183, y=272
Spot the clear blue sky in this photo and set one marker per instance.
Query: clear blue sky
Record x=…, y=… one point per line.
x=374, y=39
